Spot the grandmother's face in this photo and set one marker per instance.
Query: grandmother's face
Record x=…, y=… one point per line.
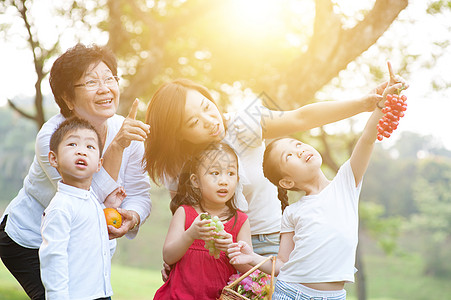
x=98, y=104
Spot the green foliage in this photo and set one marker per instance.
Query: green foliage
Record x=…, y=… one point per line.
x=438, y=6
x=385, y=230
x=388, y=182
x=433, y=198
x=17, y=137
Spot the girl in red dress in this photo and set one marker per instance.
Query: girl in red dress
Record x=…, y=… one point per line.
x=206, y=185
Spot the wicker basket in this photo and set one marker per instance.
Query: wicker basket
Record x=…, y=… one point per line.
x=228, y=293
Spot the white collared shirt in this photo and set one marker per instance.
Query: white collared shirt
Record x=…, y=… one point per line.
x=25, y=211
x=75, y=252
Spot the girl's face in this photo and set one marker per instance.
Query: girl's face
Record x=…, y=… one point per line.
x=99, y=104
x=217, y=177
x=299, y=161
x=202, y=122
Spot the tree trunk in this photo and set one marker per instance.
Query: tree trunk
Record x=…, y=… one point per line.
x=360, y=275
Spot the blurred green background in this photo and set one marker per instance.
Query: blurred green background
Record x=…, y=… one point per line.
x=286, y=53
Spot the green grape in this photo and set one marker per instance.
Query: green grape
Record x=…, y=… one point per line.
x=218, y=227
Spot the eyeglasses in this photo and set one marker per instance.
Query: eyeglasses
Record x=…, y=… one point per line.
x=94, y=84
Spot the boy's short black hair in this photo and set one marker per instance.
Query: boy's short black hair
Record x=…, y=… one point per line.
x=70, y=125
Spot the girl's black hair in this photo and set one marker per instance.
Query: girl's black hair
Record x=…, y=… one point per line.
x=272, y=172
x=187, y=194
x=282, y=194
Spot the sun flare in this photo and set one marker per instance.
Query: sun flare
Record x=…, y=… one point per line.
x=255, y=12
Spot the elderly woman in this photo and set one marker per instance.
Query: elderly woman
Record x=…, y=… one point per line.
x=85, y=84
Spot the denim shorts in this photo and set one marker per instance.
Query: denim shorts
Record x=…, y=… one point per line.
x=266, y=244
x=296, y=291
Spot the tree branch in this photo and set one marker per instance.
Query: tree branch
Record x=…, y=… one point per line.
x=332, y=48
x=20, y=111
x=327, y=154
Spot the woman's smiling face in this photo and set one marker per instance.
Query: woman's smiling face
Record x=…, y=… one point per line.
x=202, y=122
x=95, y=105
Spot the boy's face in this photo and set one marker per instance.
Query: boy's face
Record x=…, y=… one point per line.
x=77, y=158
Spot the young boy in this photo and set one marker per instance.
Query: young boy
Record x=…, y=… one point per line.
x=75, y=252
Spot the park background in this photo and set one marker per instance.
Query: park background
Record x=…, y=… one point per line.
x=284, y=53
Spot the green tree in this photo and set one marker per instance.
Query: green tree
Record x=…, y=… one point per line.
x=17, y=150
x=433, y=199
x=159, y=40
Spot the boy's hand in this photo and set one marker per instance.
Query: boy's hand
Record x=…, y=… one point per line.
x=240, y=253
x=116, y=197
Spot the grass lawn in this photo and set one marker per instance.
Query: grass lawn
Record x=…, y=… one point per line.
x=9, y=288
x=388, y=278
x=128, y=284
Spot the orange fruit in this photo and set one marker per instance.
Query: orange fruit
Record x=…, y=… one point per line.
x=113, y=217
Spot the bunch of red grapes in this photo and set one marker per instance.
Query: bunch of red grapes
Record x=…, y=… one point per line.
x=394, y=109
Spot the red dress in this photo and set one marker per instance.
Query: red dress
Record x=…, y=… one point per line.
x=197, y=275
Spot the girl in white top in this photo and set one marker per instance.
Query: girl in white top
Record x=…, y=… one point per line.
x=183, y=117
x=319, y=232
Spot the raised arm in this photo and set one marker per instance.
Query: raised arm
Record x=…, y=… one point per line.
x=281, y=123
x=361, y=154
x=131, y=130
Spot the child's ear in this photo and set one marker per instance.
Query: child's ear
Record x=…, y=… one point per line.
x=53, y=160
x=194, y=180
x=99, y=166
x=286, y=183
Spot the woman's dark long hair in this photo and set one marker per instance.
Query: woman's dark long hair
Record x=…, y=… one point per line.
x=165, y=152
x=187, y=194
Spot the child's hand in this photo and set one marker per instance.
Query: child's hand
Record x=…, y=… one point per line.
x=198, y=230
x=240, y=253
x=377, y=95
x=165, y=272
x=116, y=197
x=225, y=239
x=395, y=84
